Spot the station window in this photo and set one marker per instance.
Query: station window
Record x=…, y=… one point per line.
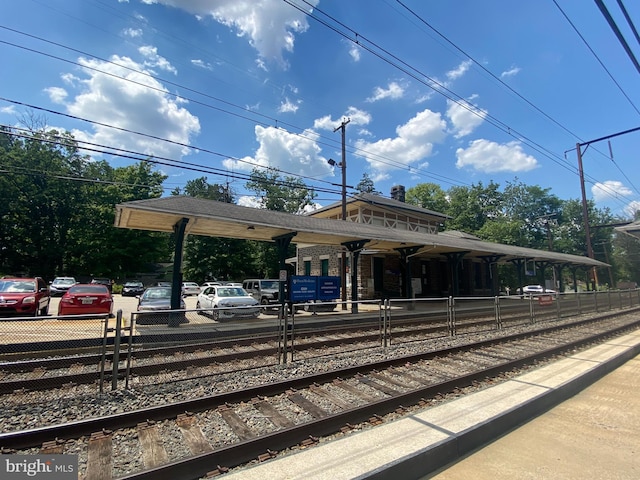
x=324, y=267
x=307, y=267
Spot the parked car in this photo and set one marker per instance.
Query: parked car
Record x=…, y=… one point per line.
x=529, y=289
x=224, y=303
x=132, y=289
x=153, y=306
x=190, y=288
x=102, y=281
x=60, y=285
x=264, y=290
x=23, y=296
x=86, y=299
x=537, y=290
x=209, y=284
x=163, y=284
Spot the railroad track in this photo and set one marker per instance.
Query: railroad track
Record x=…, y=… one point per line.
x=208, y=435
x=186, y=359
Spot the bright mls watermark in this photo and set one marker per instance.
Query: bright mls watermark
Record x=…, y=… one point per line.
x=49, y=467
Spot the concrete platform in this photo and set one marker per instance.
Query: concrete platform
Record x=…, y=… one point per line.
x=420, y=445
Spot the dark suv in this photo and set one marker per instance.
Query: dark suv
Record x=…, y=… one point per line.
x=102, y=281
x=23, y=297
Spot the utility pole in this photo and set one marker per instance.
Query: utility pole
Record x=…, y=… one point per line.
x=585, y=212
x=585, y=216
x=343, y=165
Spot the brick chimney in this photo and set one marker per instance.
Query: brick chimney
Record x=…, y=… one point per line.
x=397, y=192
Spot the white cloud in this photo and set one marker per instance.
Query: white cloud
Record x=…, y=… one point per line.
x=608, y=190
x=355, y=116
x=143, y=106
x=56, y=94
x=394, y=91
x=289, y=107
x=10, y=109
x=489, y=157
x=632, y=208
x=413, y=143
x=288, y=152
x=270, y=25
x=459, y=71
x=154, y=60
x=354, y=52
x=511, y=72
x=201, y=64
x=132, y=32
x=249, y=201
x=464, y=116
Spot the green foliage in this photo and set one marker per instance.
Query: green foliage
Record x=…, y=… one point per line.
x=429, y=196
x=57, y=210
x=208, y=258
x=288, y=194
x=365, y=185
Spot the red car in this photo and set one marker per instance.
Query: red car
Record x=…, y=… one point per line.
x=23, y=297
x=86, y=298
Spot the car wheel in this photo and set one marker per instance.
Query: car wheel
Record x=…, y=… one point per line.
x=215, y=314
x=45, y=311
x=198, y=308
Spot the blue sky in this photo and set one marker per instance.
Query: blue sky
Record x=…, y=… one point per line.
x=452, y=92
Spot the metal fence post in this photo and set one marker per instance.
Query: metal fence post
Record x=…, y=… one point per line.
x=116, y=351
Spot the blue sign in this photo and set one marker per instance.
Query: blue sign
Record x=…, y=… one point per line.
x=328, y=288
x=303, y=288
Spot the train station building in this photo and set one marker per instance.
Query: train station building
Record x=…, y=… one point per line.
x=390, y=248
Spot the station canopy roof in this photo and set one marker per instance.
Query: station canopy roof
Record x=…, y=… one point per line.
x=217, y=219
x=632, y=229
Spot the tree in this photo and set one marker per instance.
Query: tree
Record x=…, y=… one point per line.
x=429, y=196
x=209, y=258
x=287, y=194
x=57, y=209
x=365, y=185
x=470, y=207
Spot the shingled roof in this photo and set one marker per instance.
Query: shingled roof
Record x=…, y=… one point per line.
x=218, y=219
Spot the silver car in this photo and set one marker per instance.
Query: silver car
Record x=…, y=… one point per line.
x=60, y=285
x=223, y=302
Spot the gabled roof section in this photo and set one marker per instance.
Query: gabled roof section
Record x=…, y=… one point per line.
x=632, y=229
x=382, y=203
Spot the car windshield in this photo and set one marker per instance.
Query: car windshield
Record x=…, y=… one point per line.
x=17, y=286
x=133, y=284
x=100, y=289
x=64, y=281
x=231, y=292
x=156, y=294
x=270, y=284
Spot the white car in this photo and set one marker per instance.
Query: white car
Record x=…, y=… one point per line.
x=223, y=302
x=190, y=288
x=529, y=289
x=537, y=290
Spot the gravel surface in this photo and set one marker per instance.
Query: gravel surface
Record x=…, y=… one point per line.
x=39, y=409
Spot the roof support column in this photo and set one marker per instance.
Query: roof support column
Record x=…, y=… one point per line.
x=454, y=259
x=492, y=263
x=354, y=247
x=176, y=279
x=542, y=266
x=406, y=254
x=282, y=244
x=519, y=264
